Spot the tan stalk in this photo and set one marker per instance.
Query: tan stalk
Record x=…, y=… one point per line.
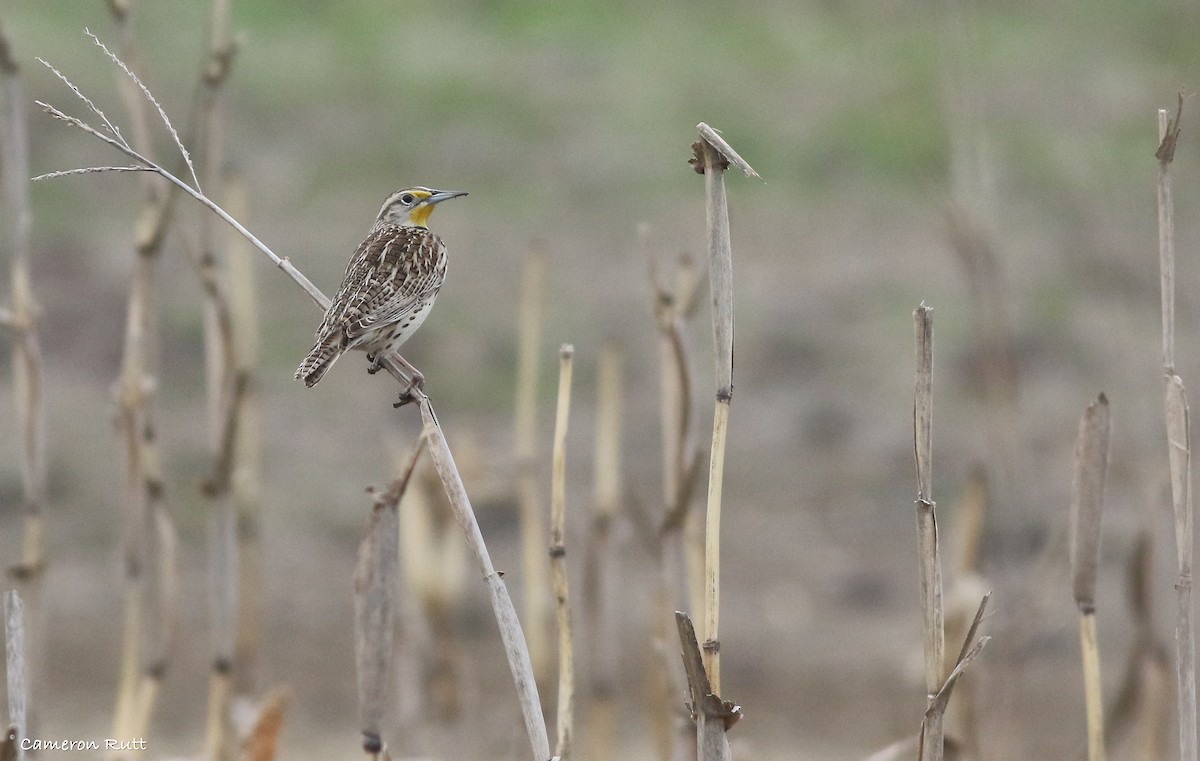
x=1179, y=451
x=939, y=701
x=599, y=565
x=376, y=579
x=23, y=315
x=1087, y=504
x=565, y=722
x=712, y=156
x=713, y=716
x=16, y=673
x=224, y=404
x=530, y=318
x=674, y=298
x=143, y=486
x=27, y=369
x=247, y=470
x=933, y=613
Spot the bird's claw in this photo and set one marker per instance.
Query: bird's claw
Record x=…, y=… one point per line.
x=375, y=364
x=409, y=394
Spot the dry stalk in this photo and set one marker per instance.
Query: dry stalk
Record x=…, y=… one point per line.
x=712, y=156
x=940, y=700
x=962, y=722
x=598, y=560
x=516, y=650
x=530, y=318
x=226, y=391
x=933, y=621
x=1140, y=708
x=1178, y=443
x=375, y=583
x=28, y=376
x=674, y=300
x=16, y=669
x=143, y=486
x=1087, y=503
x=22, y=316
x=166, y=605
x=713, y=716
x=247, y=467
x=565, y=722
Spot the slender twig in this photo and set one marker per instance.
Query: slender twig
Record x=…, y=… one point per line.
x=281, y=262
x=933, y=614
x=1178, y=443
x=565, y=723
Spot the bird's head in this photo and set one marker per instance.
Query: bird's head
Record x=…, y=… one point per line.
x=412, y=206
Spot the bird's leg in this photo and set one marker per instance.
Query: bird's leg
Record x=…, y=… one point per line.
x=416, y=381
x=375, y=364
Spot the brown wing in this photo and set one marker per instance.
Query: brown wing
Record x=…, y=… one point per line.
x=393, y=270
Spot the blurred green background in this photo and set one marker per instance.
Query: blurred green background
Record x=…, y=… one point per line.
x=570, y=124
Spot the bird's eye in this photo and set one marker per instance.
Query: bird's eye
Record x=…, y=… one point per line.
x=407, y=199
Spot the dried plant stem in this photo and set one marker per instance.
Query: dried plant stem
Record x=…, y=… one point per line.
x=939, y=701
x=26, y=610
x=375, y=583
x=933, y=614
x=1091, y=685
x=135, y=411
x=565, y=723
x=531, y=316
x=1178, y=444
x=247, y=465
x=1091, y=468
x=22, y=319
x=713, y=156
x=675, y=298
x=712, y=545
x=598, y=561
x=226, y=391
x=16, y=669
x=712, y=715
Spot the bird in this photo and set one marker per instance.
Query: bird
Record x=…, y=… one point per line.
x=388, y=290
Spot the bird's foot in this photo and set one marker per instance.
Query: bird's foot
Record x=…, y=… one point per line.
x=375, y=364
x=409, y=394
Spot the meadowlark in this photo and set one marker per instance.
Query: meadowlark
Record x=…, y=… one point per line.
x=390, y=285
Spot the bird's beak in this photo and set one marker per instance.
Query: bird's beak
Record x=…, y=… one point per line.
x=443, y=195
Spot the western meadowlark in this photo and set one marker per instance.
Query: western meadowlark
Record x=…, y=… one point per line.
x=389, y=287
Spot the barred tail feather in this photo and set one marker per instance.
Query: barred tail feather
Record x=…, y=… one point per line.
x=318, y=362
